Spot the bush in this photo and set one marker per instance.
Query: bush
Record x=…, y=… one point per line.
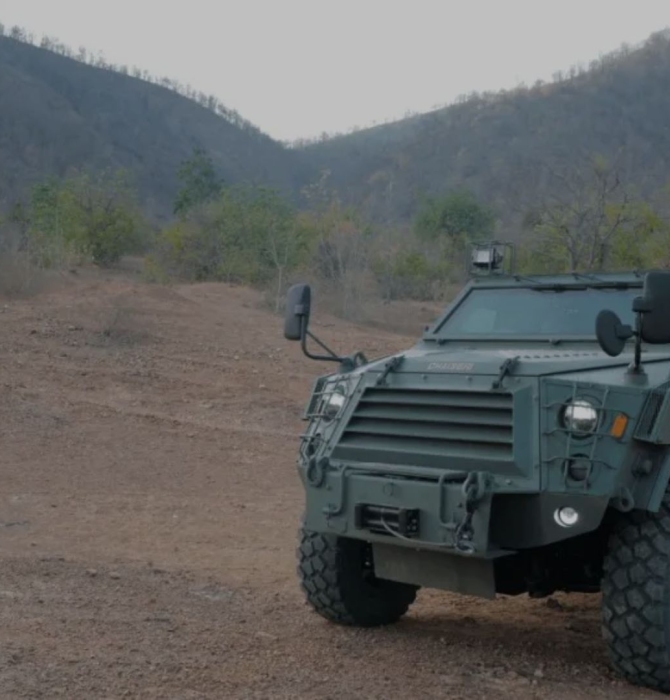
x=85, y=217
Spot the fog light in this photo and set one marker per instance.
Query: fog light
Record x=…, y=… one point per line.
x=566, y=517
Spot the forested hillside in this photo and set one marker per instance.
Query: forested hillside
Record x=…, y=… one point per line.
x=505, y=146
x=58, y=114
x=100, y=161
x=60, y=110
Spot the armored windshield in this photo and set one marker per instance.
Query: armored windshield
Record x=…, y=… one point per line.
x=527, y=312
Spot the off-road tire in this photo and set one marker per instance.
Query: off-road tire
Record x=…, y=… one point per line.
x=636, y=598
x=336, y=576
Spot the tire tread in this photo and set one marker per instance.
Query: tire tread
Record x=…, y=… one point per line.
x=324, y=583
x=636, y=600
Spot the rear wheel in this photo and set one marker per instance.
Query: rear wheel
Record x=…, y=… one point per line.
x=337, y=577
x=636, y=598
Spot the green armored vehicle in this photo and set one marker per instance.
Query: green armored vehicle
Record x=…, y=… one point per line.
x=521, y=446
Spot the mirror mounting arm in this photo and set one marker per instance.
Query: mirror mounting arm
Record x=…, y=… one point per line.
x=296, y=327
x=636, y=367
x=347, y=364
x=304, y=333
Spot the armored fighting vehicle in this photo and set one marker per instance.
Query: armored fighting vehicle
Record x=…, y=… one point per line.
x=521, y=446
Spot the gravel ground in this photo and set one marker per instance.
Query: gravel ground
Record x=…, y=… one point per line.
x=148, y=516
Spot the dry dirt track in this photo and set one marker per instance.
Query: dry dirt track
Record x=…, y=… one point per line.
x=148, y=508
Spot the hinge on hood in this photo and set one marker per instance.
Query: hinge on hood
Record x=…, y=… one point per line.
x=392, y=364
x=506, y=367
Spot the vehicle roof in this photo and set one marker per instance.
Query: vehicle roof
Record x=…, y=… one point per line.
x=576, y=279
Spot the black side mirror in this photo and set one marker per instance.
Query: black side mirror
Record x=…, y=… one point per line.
x=298, y=306
x=611, y=333
x=652, y=320
x=296, y=327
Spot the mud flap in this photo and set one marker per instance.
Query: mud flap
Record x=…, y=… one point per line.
x=465, y=575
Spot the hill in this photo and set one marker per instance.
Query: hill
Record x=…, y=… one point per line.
x=502, y=146
x=57, y=113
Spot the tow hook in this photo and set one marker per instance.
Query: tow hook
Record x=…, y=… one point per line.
x=475, y=488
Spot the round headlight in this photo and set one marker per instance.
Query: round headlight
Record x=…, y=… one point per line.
x=332, y=403
x=580, y=417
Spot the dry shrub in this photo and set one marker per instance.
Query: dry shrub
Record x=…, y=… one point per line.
x=19, y=277
x=363, y=303
x=121, y=324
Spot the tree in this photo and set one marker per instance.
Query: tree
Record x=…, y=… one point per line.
x=246, y=234
x=284, y=238
x=455, y=214
x=342, y=253
x=95, y=216
x=590, y=213
x=200, y=183
x=106, y=219
x=17, y=33
x=49, y=222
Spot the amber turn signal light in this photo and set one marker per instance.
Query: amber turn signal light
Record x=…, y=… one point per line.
x=619, y=426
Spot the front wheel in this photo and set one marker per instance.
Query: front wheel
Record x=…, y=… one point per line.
x=636, y=598
x=337, y=577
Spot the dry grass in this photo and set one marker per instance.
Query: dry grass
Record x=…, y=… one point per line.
x=364, y=306
x=20, y=278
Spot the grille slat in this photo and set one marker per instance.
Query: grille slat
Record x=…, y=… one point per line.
x=410, y=451
x=650, y=415
x=436, y=414
x=420, y=429
x=446, y=399
x=428, y=427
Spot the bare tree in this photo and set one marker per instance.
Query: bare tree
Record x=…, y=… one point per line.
x=587, y=206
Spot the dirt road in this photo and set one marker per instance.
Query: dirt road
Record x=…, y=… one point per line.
x=148, y=510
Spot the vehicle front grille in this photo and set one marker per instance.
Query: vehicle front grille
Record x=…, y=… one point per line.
x=650, y=413
x=420, y=427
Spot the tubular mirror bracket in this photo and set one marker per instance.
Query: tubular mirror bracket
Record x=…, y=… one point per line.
x=304, y=333
x=347, y=363
x=296, y=327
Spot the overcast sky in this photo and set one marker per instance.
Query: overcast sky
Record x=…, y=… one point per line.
x=299, y=67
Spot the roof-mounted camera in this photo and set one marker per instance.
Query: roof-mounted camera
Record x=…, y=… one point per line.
x=491, y=258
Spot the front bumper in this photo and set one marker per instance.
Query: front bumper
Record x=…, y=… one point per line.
x=452, y=512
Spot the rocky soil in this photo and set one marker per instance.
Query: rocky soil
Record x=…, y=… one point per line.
x=148, y=514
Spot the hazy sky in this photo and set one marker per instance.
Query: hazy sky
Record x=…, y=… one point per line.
x=299, y=67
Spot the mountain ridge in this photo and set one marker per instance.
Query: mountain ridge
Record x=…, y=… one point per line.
x=498, y=143
x=59, y=113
